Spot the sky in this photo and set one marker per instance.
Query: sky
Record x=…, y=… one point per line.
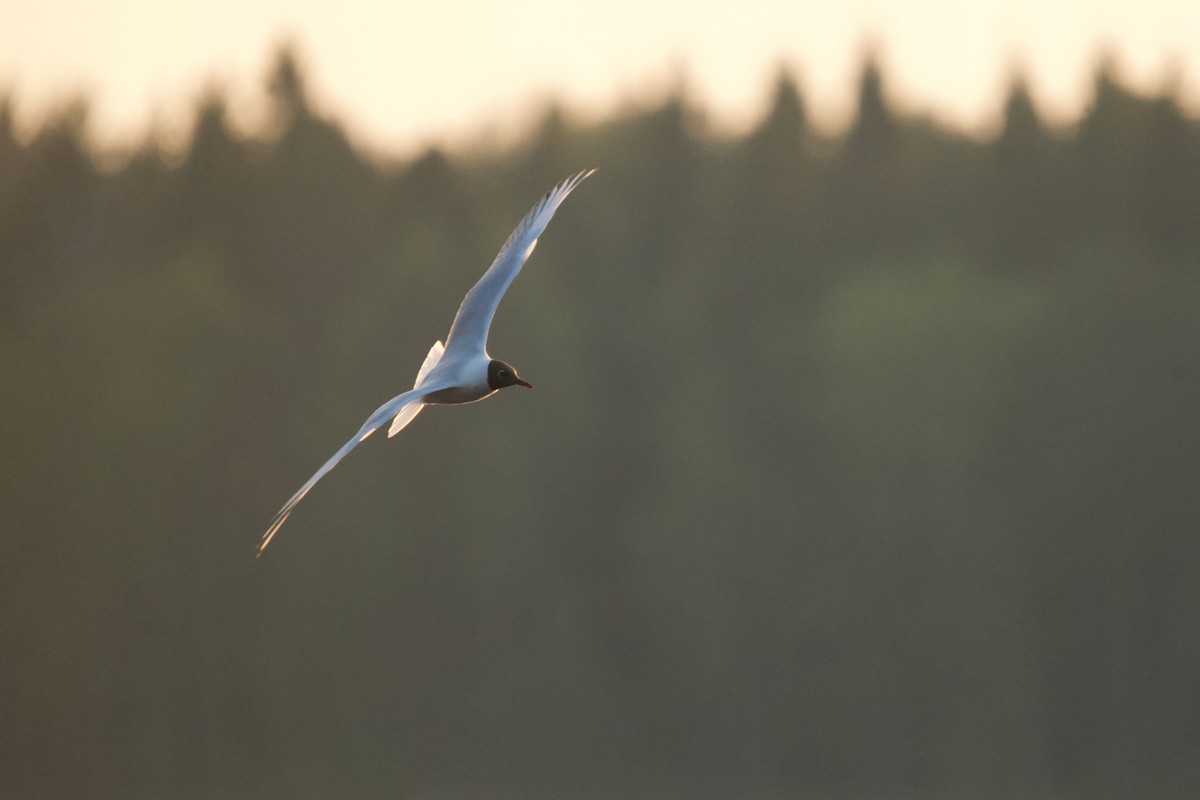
x=401, y=75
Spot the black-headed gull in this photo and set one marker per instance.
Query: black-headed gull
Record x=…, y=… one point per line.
x=461, y=371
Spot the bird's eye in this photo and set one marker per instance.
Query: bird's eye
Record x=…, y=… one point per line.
x=502, y=373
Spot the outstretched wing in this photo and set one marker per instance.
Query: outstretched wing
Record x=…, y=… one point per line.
x=381, y=415
x=469, y=332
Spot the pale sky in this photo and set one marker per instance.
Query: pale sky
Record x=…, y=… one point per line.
x=401, y=74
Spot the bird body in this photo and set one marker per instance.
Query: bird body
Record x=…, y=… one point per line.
x=460, y=371
x=469, y=379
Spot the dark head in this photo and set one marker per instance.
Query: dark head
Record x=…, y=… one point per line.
x=501, y=375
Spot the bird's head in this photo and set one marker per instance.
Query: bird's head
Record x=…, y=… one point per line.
x=501, y=375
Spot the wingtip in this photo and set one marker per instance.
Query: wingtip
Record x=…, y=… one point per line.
x=567, y=185
x=276, y=524
x=262, y=546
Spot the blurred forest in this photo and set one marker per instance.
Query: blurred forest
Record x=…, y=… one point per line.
x=858, y=466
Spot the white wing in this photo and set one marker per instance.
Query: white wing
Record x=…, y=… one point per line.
x=469, y=332
x=431, y=361
x=381, y=415
x=409, y=412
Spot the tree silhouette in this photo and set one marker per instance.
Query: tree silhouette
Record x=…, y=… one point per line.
x=1019, y=234
x=869, y=186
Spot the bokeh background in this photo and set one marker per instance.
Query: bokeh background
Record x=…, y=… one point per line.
x=864, y=460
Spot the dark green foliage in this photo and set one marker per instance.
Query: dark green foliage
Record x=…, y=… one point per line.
x=856, y=468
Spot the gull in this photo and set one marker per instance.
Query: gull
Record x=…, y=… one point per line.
x=461, y=371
